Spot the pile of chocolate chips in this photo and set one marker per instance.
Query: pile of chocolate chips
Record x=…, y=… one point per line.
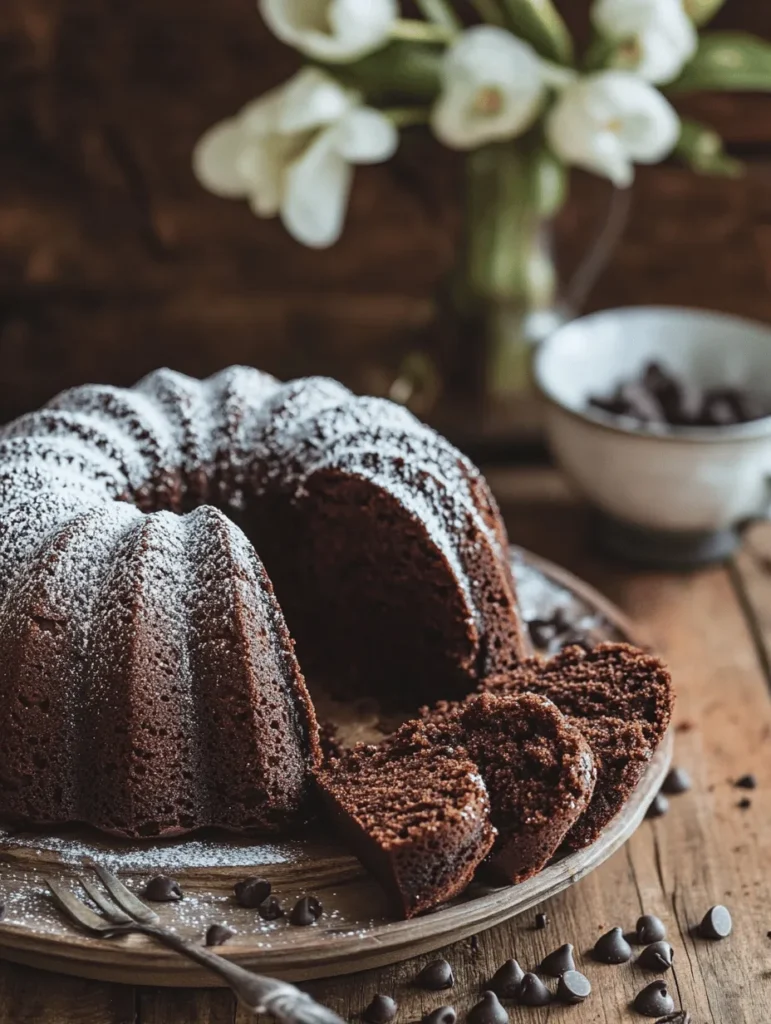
x=658, y=398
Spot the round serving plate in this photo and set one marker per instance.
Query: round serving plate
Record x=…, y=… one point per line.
x=354, y=932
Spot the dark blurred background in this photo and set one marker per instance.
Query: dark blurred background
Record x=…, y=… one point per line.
x=114, y=261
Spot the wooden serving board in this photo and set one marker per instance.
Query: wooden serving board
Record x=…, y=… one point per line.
x=354, y=932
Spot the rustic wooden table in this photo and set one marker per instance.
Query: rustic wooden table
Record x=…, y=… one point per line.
x=714, y=627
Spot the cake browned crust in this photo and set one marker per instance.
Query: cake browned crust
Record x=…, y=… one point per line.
x=621, y=698
x=537, y=767
x=148, y=681
x=418, y=820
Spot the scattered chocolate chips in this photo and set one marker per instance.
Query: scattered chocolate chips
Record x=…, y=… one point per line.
x=488, y=1011
x=162, y=889
x=744, y=804
x=747, y=782
x=533, y=992
x=443, y=1015
x=251, y=892
x=271, y=909
x=573, y=987
x=677, y=781
x=558, y=962
x=612, y=948
x=656, y=957
x=381, y=1010
x=218, y=935
x=507, y=980
x=716, y=924
x=306, y=911
x=654, y=1000
x=658, y=807
x=436, y=976
x=678, y=1017
x=649, y=929
x=541, y=920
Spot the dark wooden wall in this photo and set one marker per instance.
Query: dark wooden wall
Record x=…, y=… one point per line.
x=114, y=261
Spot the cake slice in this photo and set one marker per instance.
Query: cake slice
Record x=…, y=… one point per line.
x=537, y=767
x=418, y=820
x=620, y=698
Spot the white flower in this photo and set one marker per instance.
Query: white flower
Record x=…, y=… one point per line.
x=662, y=36
x=609, y=121
x=493, y=87
x=331, y=30
x=290, y=152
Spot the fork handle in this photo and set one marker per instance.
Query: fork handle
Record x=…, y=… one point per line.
x=257, y=993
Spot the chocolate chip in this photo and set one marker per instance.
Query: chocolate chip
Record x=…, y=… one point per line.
x=271, y=909
x=558, y=962
x=541, y=920
x=716, y=923
x=474, y=943
x=162, y=889
x=612, y=948
x=654, y=1000
x=2, y=911
x=656, y=957
x=659, y=806
x=306, y=911
x=744, y=804
x=678, y=1017
x=436, y=976
x=747, y=782
x=251, y=892
x=444, y=1015
x=218, y=935
x=573, y=987
x=677, y=781
x=381, y=1010
x=649, y=929
x=533, y=992
x=542, y=632
x=507, y=980
x=488, y=1011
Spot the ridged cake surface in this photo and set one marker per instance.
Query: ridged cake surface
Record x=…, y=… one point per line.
x=146, y=665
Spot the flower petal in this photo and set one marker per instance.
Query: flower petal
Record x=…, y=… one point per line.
x=366, y=136
x=317, y=186
x=312, y=99
x=331, y=30
x=262, y=165
x=493, y=88
x=215, y=159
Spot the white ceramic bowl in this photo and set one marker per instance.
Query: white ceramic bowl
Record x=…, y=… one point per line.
x=682, y=480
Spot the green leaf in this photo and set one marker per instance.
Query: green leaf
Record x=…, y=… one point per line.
x=599, y=54
x=540, y=24
x=702, y=11
x=702, y=150
x=400, y=71
x=727, y=61
x=440, y=12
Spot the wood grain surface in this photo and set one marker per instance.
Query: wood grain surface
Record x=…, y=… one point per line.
x=714, y=627
x=114, y=261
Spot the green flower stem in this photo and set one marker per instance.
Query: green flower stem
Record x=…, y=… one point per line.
x=414, y=31
x=407, y=117
x=489, y=11
x=508, y=271
x=440, y=12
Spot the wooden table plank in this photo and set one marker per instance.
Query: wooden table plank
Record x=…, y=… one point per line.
x=714, y=627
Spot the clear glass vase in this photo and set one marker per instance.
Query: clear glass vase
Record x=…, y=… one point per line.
x=505, y=294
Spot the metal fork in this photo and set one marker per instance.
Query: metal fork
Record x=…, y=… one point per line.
x=125, y=914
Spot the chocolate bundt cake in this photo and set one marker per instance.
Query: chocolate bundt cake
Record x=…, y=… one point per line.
x=419, y=820
x=147, y=677
x=620, y=698
x=537, y=767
